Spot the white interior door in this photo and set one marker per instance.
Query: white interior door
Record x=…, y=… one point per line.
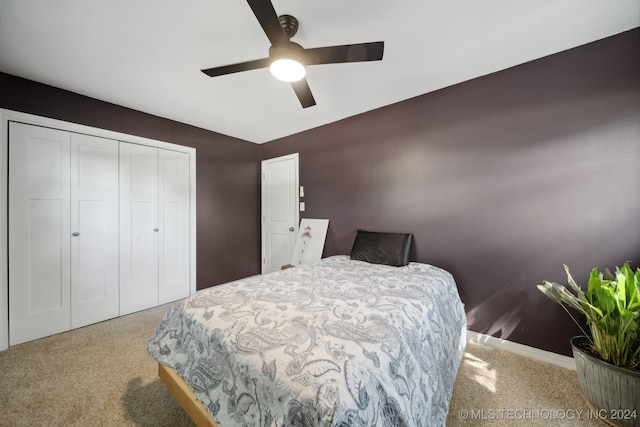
x=174, y=226
x=39, y=235
x=139, y=227
x=94, y=229
x=279, y=211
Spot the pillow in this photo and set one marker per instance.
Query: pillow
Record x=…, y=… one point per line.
x=382, y=248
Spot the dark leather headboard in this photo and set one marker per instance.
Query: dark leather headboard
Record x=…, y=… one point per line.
x=382, y=248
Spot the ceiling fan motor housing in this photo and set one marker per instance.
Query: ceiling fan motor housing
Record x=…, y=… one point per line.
x=290, y=50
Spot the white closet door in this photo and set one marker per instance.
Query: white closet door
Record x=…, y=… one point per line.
x=138, y=227
x=39, y=235
x=174, y=226
x=94, y=229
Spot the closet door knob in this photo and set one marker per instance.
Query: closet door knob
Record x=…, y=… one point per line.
x=291, y=228
x=75, y=234
x=155, y=229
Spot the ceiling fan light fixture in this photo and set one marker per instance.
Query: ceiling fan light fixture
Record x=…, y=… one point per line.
x=287, y=70
x=286, y=64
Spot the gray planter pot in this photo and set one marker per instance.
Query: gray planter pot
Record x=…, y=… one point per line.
x=613, y=392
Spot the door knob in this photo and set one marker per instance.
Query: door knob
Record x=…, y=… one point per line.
x=155, y=229
x=291, y=228
x=75, y=234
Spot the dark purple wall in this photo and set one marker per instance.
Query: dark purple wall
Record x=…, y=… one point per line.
x=501, y=180
x=227, y=187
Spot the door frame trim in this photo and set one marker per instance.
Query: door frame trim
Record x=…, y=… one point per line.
x=7, y=116
x=296, y=157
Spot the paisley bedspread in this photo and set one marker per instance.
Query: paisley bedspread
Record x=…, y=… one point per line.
x=336, y=343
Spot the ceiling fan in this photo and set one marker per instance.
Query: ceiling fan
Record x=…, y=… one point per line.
x=287, y=60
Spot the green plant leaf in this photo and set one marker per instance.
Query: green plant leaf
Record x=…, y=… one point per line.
x=633, y=293
x=550, y=291
x=611, y=305
x=607, y=275
x=592, y=312
x=622, y=276
x=595, y=283
x=600, y=292
x=573, y=283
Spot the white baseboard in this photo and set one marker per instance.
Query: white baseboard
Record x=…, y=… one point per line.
x=522, y=350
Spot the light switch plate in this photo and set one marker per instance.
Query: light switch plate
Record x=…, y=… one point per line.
x=302, y=206
x=301, y=191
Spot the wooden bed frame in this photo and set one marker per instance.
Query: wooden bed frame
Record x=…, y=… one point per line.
x=183, y=394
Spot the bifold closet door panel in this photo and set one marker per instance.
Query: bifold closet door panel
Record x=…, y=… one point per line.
x=39, y=232
x=94, y=230
x=139, y=227
x=174, y=226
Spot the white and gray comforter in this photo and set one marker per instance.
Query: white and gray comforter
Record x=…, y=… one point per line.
x=336, y=343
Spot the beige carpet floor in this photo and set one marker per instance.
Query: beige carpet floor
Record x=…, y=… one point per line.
x=498, y=388
x=100, y=375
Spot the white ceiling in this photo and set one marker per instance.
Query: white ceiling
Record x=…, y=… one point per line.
x=147, y=54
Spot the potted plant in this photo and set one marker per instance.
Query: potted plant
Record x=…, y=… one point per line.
x=607, y=359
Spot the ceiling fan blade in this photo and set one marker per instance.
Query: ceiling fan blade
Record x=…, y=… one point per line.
x=268, y=18
x=303, y=92
x=236, y=68
x=346, y=53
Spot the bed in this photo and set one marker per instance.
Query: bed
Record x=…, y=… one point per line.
x=341, y=342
